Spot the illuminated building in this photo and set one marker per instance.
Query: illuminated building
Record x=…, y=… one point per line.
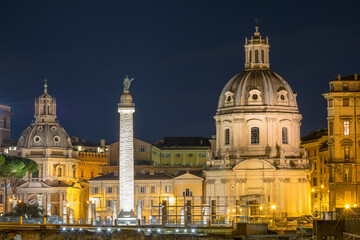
x=180, y=151
x=56, y=184
x=90, y=164
x=151, y=188
x=315, y=145
x=343, y=107
x=4, y=124
x=142, y=153
x=257, y=161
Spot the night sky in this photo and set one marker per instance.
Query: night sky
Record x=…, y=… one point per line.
x=181, y=54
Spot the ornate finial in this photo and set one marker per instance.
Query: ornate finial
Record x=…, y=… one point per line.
x=257, y=25
x=45, y=86
x=339, y=76
x=127, y=82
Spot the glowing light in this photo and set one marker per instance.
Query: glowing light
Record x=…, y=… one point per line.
x=149, y=230
x=159, y=230
x=64, y=228
x=347, y=206
x=99, y=229
x=139, y=230
x=261, y=207
x=240, y=209
x=273, y=207
x=355, y=205
x=109, y=229
x=120, y=229
x=80, y=229
x=185, y=230
x=68, y=204
x=322, y=186
x=72, y=229
x=177, y=230
x=313, y=190
x=10, y=200
x=193, y=230
x=171, y=201
x=234, y=210
x=20, y=201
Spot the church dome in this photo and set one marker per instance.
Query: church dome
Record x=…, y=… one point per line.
x=46, y=132
x=257, y=85
x=44, y=135
x=261, y=87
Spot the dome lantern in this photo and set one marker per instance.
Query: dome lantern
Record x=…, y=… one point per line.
x=45, y=107
x=257, y=52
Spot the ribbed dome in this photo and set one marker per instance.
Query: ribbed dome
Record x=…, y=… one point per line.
x=44, y=135
x=260, y=87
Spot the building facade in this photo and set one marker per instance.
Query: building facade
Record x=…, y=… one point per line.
x=343, y=108
x=257, y=162
x=151, y=190
x=180, y=151
x=316, y=148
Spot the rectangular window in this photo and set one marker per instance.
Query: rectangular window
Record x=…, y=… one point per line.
x=108, y=203
x=345, y=87
x=167, y=189
x=331, y=128
x=330, y=103
x=315, y=152
x=177, y=155
x=346, y=175
x=314, y=181
x=92, y=174
x=109, y=190
x=142, y=189
x=142, y=149
x=190, y=155
x=96, y=190
x=165, y=155
x=1, y=199
x=82, y=174
x=346, y=102
x=346, y=128
x=202, y=154
x=152, y=189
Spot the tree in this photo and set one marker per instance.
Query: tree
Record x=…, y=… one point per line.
x=26, y=210
x=12, y=169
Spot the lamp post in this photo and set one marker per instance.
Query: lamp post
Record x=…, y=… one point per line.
x=273, y=209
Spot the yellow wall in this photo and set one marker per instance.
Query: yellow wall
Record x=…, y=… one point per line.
x=179, y=156
x=89, y=165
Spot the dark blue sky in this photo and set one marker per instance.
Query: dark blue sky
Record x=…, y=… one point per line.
x=181, y=54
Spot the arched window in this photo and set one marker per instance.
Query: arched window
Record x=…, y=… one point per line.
x=262, y=56
x=44, y=110
x=250, y=56
x=284, y=134
x=256, y=56
x=48, y=112
x=4, y=122
x=254, y=135
x=227, y=136
x=187, y=193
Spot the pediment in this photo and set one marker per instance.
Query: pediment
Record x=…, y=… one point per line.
x=254, y=164
x=29, y=184
x=188, y=176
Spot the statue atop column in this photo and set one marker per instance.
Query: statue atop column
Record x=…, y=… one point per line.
x=127, y=82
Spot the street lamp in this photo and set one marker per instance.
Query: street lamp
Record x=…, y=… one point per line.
x=347, y=205
x=273, y=209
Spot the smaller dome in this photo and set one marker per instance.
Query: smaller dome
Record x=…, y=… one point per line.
x=44, y=135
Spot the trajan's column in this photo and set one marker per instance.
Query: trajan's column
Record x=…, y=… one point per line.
x=126, y=108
